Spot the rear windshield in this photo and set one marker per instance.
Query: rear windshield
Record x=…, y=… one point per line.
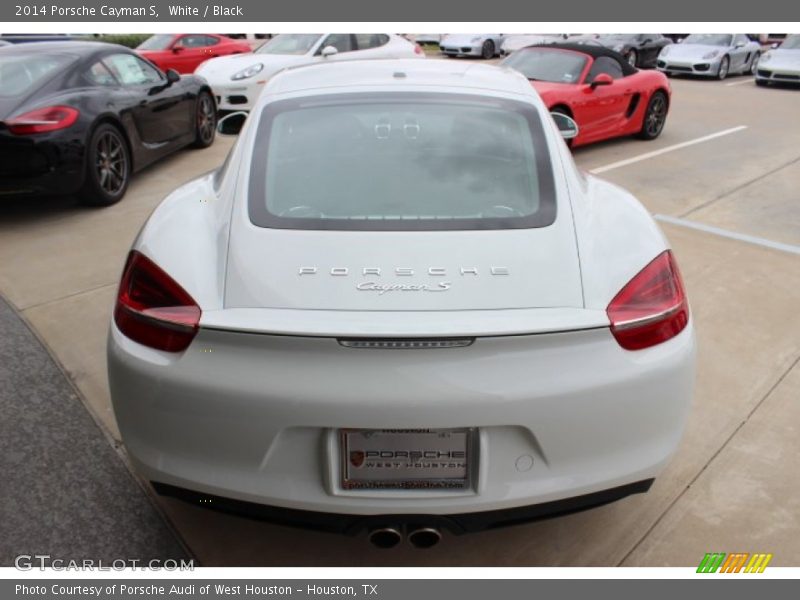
x=160, y=41
x=20, y=73
x=401, y=162
x=542, y=64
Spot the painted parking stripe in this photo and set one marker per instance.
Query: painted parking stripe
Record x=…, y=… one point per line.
x=741, y=237
x=748, y=80
x=653, y=154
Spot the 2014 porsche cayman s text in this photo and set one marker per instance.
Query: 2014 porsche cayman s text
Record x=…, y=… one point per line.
x=399, y=306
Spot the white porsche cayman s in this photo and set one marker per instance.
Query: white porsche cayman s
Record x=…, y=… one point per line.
x=398, y=307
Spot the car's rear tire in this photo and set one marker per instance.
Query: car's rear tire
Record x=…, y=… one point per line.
x=632, y=58
x=724, y=66
x=108, y=167
x=487, y=50
x=205, y=121
x=655, y=116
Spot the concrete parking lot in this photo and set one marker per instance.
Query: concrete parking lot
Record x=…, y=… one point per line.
x=728, y=161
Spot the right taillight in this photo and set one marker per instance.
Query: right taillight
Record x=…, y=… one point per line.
x=153, y=309
x=652, y=307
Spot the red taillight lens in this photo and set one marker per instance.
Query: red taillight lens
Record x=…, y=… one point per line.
x=652, y=307
x=43, y=120
x=153, y=309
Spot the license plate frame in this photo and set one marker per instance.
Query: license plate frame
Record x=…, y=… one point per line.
x=450, y=476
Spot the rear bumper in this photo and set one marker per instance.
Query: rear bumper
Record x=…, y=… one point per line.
x=40, y=165
x=254, y=417
x=352, y=524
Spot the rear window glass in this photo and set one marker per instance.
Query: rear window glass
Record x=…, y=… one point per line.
x=20, y=74
x=401, y=162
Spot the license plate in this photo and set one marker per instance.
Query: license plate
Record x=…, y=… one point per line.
x=414, y=459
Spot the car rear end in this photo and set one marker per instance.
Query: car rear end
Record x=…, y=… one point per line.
x=37, y=146
x=401, y=335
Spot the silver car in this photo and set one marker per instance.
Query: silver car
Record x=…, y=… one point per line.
x=485, y=45
x=710, y=55
x=782, y=64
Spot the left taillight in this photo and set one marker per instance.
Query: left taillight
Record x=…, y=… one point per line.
x=42, y=120
x=652, y=307
x=153, y=309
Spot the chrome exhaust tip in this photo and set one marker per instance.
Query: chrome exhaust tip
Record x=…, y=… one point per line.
x=385, y=537
x=424, y=537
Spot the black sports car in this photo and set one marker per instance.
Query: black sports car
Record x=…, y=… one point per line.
x=81, y=117
x=639, y=49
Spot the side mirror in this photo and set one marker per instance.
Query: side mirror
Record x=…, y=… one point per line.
x=231, y=124
x=329, y=51
x=177, y=49
x=602, y=79
x=567, y=126
x=647, y=41
x=173, y=76
x=739, y=45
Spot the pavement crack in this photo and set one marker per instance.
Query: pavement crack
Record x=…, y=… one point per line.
x=714, y=456
x=72, y=295
x=738, y=187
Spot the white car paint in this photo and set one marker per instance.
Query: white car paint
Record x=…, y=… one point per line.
x=242, y=94
x=781, y=64
x=251, y=409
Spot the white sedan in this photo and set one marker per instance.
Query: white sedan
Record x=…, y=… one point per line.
x=397, y=308
x=238, y=80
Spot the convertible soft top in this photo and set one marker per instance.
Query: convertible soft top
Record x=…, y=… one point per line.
x=594, y=52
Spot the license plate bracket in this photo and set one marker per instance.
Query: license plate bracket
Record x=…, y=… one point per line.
x=407, y=459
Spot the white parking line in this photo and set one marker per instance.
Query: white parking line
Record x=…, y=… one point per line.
x=653, y=154
x=748, y=80
x=741, y=237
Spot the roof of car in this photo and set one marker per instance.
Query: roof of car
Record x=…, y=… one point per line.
x=67, y=47
x=593, y=51
x=405, y=72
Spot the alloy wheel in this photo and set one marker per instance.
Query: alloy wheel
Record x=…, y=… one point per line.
x=111, y=163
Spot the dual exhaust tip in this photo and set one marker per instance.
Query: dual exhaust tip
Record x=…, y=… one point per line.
x=418, y=537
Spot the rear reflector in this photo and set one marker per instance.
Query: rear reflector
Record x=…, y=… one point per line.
x=405, y=344
x=42, y=120
x=652, y=307
x=153, y=309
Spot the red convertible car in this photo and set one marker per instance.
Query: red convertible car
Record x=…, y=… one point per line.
x=184, y=52
x=606, y=96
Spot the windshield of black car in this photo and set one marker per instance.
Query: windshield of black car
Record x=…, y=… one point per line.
x=539, y=64
x=396, y=161
x=156, y=42
x=20, y=73
x=709, y=39
x=792, y=42
x=290, y=43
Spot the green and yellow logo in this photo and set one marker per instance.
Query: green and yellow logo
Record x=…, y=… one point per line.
x=738, y=562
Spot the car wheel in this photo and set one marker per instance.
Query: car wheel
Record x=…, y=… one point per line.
x=563, y=111
x=205, y=121
x=632, y=58
x=754, y=63
x=108, y=167
x=724, y=64
x=487, y=50
x=654, y=116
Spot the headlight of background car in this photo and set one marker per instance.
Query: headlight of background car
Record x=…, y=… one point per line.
x=664, y=51
x=248, y=72
x=765, y=58
x=712, y=54
x=475, y=39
